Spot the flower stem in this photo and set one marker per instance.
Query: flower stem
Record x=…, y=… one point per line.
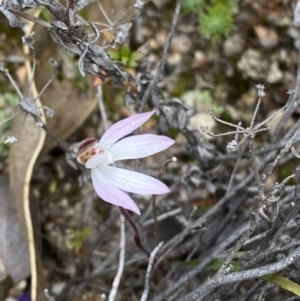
x=137, y=236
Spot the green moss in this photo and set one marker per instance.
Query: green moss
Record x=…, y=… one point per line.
x=216, y=22
x=192, y=6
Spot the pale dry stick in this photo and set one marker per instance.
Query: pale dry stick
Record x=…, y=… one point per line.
x=111, y=26
x=54, y=65
x=26, y=203
x=215, y=254
x=238, y=127
x=253, y=161
x=222, y=279
x=163, y=61
x=161, y=173
x=291, y=132
x=206, y=261
x=249, y=132
x=257, y=205
x=236, y=165
x=29, y=17
x=163, y=216
x=285, y=200
x=176, y=240
x=292, y=141
x=120, y=22
x=118, y=276
x=240, y=242
x=261, y=151
x=249, y=135
x=268, y=253
x=170, y=245
x=269, y=118
x=11, y=117
x=148, y=273
x=104, y=15
x=102, y=107
x=283, y=151
x=275, y=162
x=284, y=218
x=201, y=220
x=261, y=93
x=260, y=201
x=33, y=106
x=6, y=73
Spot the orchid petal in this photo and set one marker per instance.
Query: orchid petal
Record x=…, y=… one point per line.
x=98, y=159
x=110, y=194
x=132, y=181
x=123, y=128
x=139, y=146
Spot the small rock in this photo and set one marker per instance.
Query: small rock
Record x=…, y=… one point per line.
x=57, y=287
x=181, y=43
x=268, y=38
x=275, y=75
x=200, y=100
x=174, y=58
x=249, y=98
x=233, y=45
x=253, y=64
x=200, y=59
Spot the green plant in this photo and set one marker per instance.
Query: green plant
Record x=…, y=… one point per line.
x=192, y=6
x=215, y=16
x=79, y=237
x=124, y=55
x=206, y=98
x=216, y=21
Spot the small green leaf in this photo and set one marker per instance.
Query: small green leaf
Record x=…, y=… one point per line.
x=124, y=60
x=79, y=237
x=283, y=282
x=125, y=51
x=131, y=64
x=114, y=54
x=135, y=56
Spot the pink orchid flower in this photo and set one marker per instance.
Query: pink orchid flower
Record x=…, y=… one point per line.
x=110, y=182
